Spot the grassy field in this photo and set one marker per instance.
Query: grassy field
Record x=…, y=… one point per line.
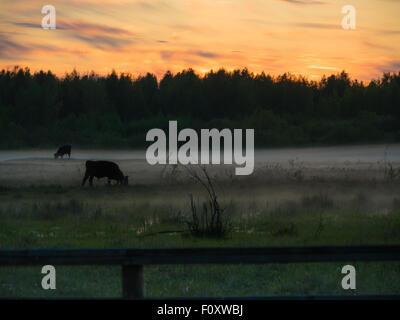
x=294, y=212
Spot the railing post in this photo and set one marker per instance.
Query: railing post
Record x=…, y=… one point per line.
x=132, y=281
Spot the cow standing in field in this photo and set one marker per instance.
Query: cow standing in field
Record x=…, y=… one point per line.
x=102, y=169
x=62, y=151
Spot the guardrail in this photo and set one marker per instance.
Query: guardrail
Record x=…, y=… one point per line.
x=133, y=260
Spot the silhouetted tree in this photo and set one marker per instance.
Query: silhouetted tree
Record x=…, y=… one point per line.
x=118, y=109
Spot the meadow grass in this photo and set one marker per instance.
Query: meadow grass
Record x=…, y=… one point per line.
x=112, y=217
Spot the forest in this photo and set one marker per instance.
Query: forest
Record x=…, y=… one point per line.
x=40, y=109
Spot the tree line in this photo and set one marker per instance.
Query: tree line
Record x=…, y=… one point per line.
x=40, y=109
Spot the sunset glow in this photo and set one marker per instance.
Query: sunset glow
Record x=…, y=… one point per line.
x=275, y=36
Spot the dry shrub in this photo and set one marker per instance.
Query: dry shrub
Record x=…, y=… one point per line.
x=211, y=219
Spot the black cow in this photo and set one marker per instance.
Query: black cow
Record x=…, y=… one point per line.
x=101, y=169
x=63, y=150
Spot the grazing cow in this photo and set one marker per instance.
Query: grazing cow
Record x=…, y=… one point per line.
x=101, y=169
x=63, y=150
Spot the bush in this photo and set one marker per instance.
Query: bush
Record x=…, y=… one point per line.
x=211, y=221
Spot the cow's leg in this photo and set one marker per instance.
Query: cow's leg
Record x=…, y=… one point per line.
x=109, y=182
x=91, y=181
x=84, y=179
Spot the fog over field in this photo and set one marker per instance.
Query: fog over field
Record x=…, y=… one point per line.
x=364, y=153
x=33, y=167
x=344, y=195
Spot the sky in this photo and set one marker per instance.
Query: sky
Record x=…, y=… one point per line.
x=139, y=36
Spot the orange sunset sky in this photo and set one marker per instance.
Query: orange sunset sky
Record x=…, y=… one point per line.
x=139, y=36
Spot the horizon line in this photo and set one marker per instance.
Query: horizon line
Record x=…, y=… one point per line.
x=133, y=76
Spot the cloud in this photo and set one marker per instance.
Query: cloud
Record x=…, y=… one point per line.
x=377, y=46
x=392, y=32
x=305, y=2
x=205, y=54
x=104, y=42
x=323, y=68
x=79, y=26
x=391, y=66
x=99, y=36
x=10, y=50
x=184, y=54
x=154, y=6
x=317, y=25
x=205, y=29
x=166, y=55
x=184, y=57
x=27, y=24
x=88, y=27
